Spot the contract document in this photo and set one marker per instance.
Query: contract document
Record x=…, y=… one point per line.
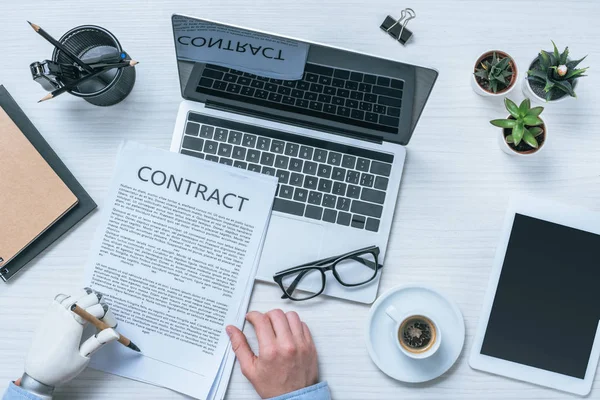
x=252, y=52
x=175, y=255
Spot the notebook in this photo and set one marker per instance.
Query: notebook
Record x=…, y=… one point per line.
x=32, y=195
x=85, y=206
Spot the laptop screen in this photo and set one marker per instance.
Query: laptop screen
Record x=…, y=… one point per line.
x=299, y=82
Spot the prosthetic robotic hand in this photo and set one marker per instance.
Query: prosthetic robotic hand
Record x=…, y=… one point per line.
x=58, y=354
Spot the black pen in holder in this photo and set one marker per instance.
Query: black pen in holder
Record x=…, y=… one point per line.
x=109, y=87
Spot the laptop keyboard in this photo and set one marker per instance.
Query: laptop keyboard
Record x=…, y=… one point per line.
x=334, y=94
x=319, y=180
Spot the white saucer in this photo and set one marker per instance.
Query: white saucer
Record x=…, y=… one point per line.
x=381, y=338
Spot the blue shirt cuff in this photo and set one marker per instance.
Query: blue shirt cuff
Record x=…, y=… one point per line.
x=320, y=391
x=16, y=393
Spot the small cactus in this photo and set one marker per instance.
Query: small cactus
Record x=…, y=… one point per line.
x=525, y=123
x=556, y=72
x=497, y=74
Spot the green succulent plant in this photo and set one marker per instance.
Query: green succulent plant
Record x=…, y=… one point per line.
x=497, y=73
x=525, y=123
x=556, y=72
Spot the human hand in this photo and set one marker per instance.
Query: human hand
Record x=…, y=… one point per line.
x=287, y=359
x=56, y=356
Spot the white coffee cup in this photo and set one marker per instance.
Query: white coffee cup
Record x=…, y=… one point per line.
x=402, y=319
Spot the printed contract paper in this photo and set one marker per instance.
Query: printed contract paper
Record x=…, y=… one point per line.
x=175, y=255
x=248, y=51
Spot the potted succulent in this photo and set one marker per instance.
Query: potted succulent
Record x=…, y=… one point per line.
x=552, y=76
x=523, y=132
x=495, y=74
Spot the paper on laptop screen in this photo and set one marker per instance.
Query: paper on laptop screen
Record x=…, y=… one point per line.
x=241, y=49
x=176, y=248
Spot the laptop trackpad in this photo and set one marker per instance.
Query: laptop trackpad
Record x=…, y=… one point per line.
x=290, y=242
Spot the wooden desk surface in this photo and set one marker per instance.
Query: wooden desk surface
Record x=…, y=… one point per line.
x=452, y=200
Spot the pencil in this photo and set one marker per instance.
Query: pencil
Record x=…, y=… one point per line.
x=101, y=326
x=60, y=47
x=74, y=84
x=119, y=64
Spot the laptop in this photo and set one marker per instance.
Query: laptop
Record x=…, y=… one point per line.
x=331, y=124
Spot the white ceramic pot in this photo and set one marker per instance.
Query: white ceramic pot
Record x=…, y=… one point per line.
x=510, y=151
x=529, y=93
x=480, y=91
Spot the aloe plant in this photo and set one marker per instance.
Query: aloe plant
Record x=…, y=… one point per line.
x=556, y=72
x=525, y=123
x=497, y=73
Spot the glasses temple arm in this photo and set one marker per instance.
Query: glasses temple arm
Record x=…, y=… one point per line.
x=367, y=263
x=290, y=290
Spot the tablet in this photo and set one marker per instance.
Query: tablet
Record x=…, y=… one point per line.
x=540, y=315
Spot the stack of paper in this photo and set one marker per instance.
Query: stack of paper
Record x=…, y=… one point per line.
x=175, y=256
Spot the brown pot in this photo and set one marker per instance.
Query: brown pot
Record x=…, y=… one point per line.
x=513, y=79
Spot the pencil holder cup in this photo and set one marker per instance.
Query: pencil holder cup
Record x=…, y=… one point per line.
x=109, y=87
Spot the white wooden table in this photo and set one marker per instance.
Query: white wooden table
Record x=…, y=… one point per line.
x=452, y=200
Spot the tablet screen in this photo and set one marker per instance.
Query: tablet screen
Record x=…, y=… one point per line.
x=547, y=304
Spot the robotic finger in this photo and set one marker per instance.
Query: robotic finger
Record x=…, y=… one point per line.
x=86, y=301
x=96, y=310
x=109, y=317
x=95, y=342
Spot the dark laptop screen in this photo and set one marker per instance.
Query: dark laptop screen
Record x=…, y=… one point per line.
x=299, y=82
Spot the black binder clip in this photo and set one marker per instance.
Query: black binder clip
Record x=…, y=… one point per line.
x=397, y=29
x=49, y=74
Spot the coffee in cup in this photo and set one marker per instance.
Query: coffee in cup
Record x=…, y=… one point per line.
x=415, y=333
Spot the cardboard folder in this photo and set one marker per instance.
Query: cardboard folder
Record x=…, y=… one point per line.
x=32, y=195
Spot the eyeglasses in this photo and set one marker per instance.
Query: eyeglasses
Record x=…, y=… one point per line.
x=308, y=280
